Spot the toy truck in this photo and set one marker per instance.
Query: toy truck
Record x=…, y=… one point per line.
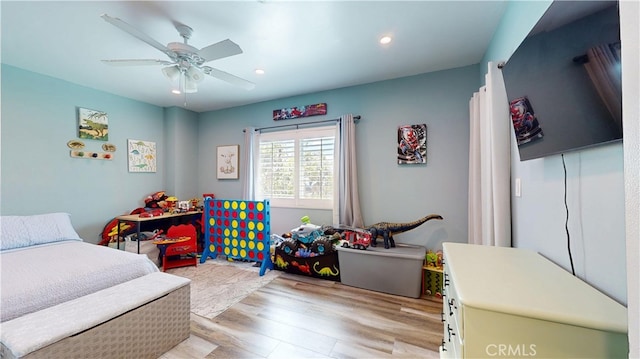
x=355, y=238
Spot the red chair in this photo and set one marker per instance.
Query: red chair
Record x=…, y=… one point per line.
x=181, y=254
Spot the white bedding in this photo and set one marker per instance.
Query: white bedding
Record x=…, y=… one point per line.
x=146, y=247
x=37, y=277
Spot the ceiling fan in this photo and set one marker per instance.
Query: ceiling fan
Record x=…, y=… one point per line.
x=186, y=63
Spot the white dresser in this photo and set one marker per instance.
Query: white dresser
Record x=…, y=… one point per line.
x=508, y=302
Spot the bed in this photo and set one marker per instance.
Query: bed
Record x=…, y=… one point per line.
x=63, y=297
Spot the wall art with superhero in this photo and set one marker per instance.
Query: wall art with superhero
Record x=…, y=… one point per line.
x=412, y=144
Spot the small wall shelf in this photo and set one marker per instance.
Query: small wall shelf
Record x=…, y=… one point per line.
x=92, y=155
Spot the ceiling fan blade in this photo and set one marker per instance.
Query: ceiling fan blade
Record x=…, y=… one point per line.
x=138, y=34
x=225, y=76
x=137, y=62
x=224, y=48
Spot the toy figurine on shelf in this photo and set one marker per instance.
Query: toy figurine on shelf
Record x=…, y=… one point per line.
x=171, y=204
x=434, y=259
x=195, y=204
x=386, y=230
x=156, y=200
x=183, y=206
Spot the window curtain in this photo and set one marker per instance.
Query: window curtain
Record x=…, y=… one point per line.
x=346, y=200
x=247, y=168
x=489, y=163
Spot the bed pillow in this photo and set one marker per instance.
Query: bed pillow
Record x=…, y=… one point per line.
x=24, y=231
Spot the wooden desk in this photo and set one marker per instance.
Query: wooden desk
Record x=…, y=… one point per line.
x=138, y=220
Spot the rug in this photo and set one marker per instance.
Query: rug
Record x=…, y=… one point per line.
x=217, y=284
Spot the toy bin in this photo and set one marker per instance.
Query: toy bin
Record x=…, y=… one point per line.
x=395, y=270
x=323, y=267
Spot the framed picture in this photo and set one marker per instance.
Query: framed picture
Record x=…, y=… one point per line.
x=412, y=144
x=92, y=124
x=141, y=155
x=227, y=158
x=300, y=111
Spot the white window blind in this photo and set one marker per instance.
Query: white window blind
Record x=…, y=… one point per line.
x=296, y=168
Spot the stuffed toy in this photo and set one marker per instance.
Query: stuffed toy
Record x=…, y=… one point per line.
x=156, y=200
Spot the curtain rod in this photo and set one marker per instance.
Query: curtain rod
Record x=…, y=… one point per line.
x=357, y=117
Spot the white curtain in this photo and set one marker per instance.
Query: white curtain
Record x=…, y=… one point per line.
x=247, y=171
x=346, y=201
x=603, y=68
x=489, y=163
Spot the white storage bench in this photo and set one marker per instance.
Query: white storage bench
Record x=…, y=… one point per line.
x=141, y=318
x=396, y=270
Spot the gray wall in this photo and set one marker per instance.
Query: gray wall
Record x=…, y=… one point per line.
x=181, y=154
x=388, y=191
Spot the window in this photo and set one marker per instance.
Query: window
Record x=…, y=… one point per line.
x=296, y=168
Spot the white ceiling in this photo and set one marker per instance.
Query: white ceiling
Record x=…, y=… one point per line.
x=304, y=46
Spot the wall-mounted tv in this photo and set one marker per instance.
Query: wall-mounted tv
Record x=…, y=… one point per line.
x=564, y=81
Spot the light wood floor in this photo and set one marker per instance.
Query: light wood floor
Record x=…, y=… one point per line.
x=300, y=317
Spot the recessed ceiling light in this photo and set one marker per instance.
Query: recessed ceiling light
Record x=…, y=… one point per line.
x=174, y=91
x=385, y=40
x=260, y=71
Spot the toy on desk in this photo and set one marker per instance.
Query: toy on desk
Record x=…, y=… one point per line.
x=151, y=213
x=171, y=204
x=196, y=203
x=183, y=206
x=156, y=200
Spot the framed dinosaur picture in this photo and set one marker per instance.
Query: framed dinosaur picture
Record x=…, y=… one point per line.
x=93, y=124
x=141, y=156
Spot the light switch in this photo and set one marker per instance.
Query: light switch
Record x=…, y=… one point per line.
x=518, y=188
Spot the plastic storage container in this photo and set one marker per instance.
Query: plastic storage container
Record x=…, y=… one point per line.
x=395, y=270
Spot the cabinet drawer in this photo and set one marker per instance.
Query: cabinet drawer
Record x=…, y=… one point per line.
x=520, y=311
x=452, y=307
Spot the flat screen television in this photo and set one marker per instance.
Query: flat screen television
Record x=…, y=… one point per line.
x=564, y=81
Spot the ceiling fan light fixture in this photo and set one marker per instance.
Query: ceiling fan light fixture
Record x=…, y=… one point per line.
x=171, y=72
x=185, y=68
x=190, y=86
x=195, y=74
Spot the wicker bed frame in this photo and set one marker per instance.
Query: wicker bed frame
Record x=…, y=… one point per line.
x=148, y=325
x=64, y=298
